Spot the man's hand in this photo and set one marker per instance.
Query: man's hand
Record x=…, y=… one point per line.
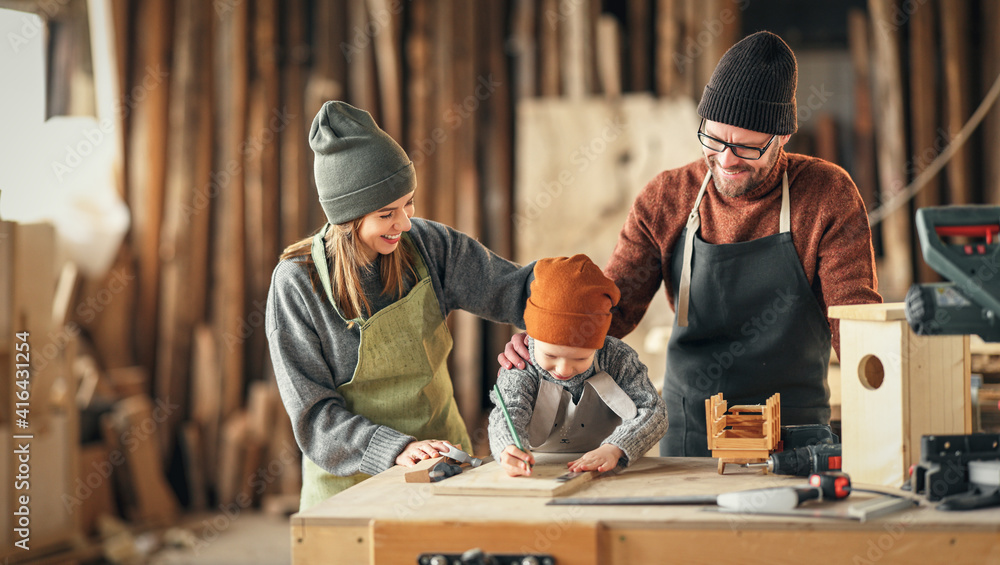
x=604, y=458
x=515, y=353
x=516, y=462
x=417, y=451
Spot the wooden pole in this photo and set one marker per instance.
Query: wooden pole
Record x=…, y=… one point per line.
x=548, y=31
x=667, y=35
x=638, y=44
x=384, y=18
x=296, y=191
x=864, y=136
x=990, y=50
x=924, y=113
x=955, y=50
x=187, y=213
x=897, y=275
x=147, y=144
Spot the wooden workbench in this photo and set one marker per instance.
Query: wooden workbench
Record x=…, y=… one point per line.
x=386, y=520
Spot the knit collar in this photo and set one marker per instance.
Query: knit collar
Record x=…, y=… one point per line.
x=576, y=381
x=771, y=182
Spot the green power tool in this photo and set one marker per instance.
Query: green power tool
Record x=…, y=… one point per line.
x=969, y=303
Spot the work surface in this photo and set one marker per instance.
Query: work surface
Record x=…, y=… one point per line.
x=386, y=520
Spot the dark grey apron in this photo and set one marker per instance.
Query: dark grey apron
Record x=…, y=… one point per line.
x=748, y=326
x=558, y=425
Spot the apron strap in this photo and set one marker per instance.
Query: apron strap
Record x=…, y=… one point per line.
x=693, y=223
x=543, y=416
x=785, y=220
x=318, y=253
x=613, y=395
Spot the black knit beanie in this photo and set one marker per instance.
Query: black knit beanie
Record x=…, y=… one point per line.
x=358, y=167
x=753, y=86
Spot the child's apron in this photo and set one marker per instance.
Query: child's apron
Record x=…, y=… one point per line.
x=562, y=426
x=401, y=380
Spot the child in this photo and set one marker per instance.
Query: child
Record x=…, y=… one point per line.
x=356, y=313
x=583, y=391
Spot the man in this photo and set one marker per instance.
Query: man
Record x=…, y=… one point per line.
x=752, y=245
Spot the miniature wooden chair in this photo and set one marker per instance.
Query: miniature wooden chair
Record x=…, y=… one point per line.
x=743, y=434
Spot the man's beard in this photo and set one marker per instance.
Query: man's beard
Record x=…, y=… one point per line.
x=732, y=188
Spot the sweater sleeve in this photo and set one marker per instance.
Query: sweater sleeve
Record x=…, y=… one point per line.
x=470, y=277
x=519, y=388
x=845, y=260
x=636, y=264
x=637, y=435
x=339, y=441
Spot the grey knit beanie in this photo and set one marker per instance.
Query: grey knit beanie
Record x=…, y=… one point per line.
x=358, y=167
x=753, y=86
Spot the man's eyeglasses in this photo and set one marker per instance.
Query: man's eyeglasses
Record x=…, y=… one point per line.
x=741, y=151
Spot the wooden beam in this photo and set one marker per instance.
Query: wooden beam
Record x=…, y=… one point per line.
x=548, y=31
x=230, y=63
x=924, y=113
x=187, y=212
x=638, y=26
x=386, y=16
x=423, y=138
x=957, y=88
x=525, y=49
x=361, y=84
x=147, y=144
x=863, y=132
x=667, y=45
x=896, y=277
x=576, y=81
x=609, y=56
x=296, y=192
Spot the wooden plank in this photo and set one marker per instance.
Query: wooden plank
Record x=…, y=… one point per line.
x=207, y=400
x=524, y=47
x=548, y=31
x=147, y=144
x=887, y=311
x=576, y=81
x=896, y=277
x=230, y=63
x=826, y=138
x=489, y=479
x=667, y=47
x=99, y=499
x=231, y=457
x=863, y=133
x=193, y=452
x=466, y=358
x=135, y=420
x=954, y=20
x=638, y=14
x=186, y=214
x=924, y=114
x=386, y=15
x=424, y=135
x=609, y=54
x=261, y=182
x=296, y=192
x=361, y=84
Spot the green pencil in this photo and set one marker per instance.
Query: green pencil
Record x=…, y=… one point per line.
x=510, y=423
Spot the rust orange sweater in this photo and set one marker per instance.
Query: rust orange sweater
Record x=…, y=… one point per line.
x=829, y=227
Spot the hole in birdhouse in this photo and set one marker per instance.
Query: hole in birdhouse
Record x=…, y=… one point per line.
x=871, y=372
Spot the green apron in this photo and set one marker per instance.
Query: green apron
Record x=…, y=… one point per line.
x=401, y=380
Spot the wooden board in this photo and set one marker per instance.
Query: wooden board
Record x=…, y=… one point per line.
x=876, y=312
x=489, y=479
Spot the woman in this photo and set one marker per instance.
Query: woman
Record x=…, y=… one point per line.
x=356, y=313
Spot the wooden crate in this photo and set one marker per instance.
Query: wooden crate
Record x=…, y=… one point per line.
x=742, y=434
x=896, y=387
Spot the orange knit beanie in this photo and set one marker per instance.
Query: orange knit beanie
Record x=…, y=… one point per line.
x=570, y=302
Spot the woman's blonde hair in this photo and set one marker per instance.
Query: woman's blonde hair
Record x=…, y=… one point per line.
x=345, y=253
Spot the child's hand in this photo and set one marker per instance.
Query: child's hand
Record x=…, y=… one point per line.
x=417, y=451
x=604, y=458
x=516, y=462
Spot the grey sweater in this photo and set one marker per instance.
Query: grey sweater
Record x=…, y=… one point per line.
x=634, y=437
x=313, y=351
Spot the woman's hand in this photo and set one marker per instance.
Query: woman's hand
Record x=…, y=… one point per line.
x=417, y=451
x=515, y=353
x=516, y=462
x=602, y=459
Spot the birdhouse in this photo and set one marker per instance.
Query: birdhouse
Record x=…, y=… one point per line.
x=896, y=386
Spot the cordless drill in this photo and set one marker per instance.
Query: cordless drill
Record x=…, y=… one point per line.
x=803, y=461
